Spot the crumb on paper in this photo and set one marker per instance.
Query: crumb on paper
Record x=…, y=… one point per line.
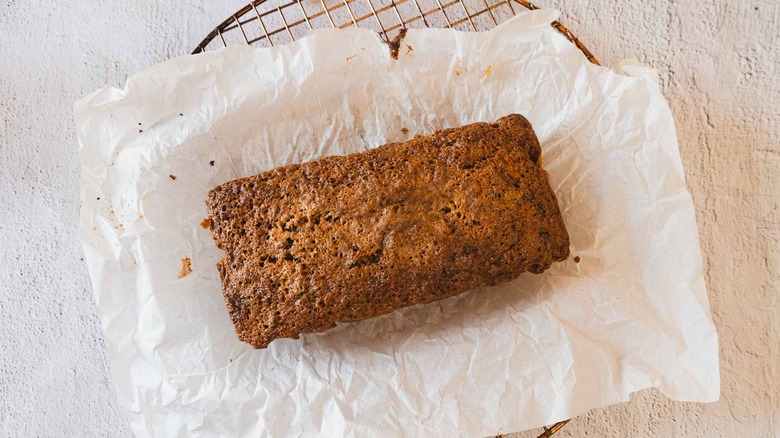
x=140, y=131
x=231, y=360
x=186, y=267
x=94, y=228
x=405, y=131
x=350, y=57
x=395, y=43
x=487, y=73
x=211, y=163
x=173, y=177
x=577, y=259
x=140, y=215
x=206, y=224
x=98, y=198
x=409, y=48
x=181, y=115
x=457, y=72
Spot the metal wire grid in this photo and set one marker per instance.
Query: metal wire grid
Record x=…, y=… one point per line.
x=265, y=23
x=262, y=24
x=550, y=431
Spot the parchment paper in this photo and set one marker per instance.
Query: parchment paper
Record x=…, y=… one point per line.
x=632, y=314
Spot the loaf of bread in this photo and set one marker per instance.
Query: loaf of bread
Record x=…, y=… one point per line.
x=350, y=237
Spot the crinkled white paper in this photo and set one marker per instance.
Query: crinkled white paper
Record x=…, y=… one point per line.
x=632, y=314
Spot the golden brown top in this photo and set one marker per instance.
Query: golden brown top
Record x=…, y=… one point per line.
x=349, y=237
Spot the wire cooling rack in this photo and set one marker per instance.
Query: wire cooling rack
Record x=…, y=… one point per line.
x=267, y=23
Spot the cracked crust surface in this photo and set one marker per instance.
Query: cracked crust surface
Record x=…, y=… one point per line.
x=351, y=237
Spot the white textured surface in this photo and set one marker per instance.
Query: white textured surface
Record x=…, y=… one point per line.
x=718, y=66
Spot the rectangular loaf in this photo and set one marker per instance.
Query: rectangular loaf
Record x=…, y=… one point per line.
x=350, y=237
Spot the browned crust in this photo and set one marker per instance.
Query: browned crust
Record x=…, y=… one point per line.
x=350, y=237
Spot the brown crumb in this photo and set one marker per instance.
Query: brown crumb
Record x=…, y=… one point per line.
x=140, y=131
x=409, y=48
x=211, y=163
x=206, y=224
x=577, y=259
x=140, y=215
x=94, y=228
x=405, y=131
x=395, y=43
x=173, y=177
x=186, y=267
x=231, y=360
x=180, y=114
x=487, y=73
x=457, y=72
